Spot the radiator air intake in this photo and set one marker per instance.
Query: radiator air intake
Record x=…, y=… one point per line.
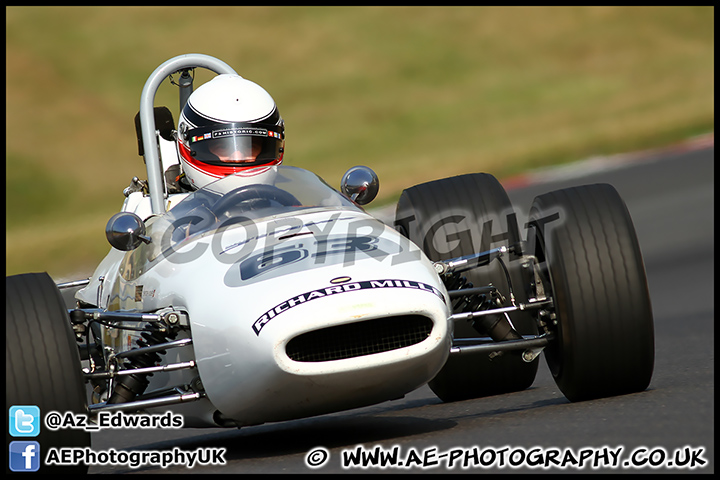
x=359, y=338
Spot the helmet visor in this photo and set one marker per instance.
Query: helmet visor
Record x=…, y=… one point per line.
x=235, y=145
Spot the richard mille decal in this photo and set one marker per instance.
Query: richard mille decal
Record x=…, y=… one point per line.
x=348, y=287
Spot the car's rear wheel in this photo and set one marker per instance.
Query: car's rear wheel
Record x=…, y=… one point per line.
x=459, y=216
x=42, y=361
x=587, y=248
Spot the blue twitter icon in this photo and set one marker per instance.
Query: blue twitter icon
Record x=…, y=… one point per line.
x=24, y=421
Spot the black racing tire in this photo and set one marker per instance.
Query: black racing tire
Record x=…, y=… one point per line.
x=589, y=253
x=42, y=361
x=458, y=216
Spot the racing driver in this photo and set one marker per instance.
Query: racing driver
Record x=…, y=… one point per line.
x=229, y=126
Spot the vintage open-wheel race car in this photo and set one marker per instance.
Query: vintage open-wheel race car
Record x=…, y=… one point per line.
x=239, y=303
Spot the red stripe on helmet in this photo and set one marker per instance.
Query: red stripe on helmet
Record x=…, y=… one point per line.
x=219, y=171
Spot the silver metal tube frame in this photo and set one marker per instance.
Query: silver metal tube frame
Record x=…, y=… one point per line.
x=147, y=117
x=143, y=404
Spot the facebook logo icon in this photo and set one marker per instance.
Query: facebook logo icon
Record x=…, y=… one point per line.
x=24, y=456
x=24, y=421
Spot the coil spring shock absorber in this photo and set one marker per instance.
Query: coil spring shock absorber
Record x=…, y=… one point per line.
x=128, y=387
x=464, y=303
x=497, y=327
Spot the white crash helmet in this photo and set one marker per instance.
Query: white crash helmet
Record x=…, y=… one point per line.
x=229, y=126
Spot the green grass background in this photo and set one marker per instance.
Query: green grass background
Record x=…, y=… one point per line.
x=416, y=93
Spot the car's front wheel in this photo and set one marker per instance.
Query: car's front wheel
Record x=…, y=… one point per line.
x=454, y=217
x=42, y=365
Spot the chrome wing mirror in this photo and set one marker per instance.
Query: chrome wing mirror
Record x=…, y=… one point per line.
x=126, y=231
x=360, y=184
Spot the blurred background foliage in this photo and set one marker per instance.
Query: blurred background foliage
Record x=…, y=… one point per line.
x=416, y=93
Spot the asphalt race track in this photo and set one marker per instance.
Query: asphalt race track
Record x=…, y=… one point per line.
x=670, y=197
